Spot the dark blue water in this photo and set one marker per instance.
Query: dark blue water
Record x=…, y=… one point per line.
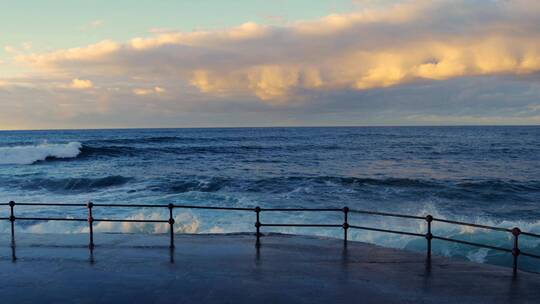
x=488, y=175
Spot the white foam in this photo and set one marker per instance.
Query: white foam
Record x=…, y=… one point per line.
x=25, y=155
x=478, y=256
x=184, y=223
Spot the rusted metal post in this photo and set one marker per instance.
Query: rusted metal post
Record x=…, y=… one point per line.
x=345, y=224
x=258, y=225
x=90, y=205
x=171, y=225
x=515, y=250
x=429, y=236
x=12, y=220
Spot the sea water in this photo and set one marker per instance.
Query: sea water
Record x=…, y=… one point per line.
x=484, y=175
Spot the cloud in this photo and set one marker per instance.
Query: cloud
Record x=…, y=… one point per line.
x=148, y=91
x=62, y=59
x=372, y=48
x=24, y=47
x=10, y=49
x=81, y=84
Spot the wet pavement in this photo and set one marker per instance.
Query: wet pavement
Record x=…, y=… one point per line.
x=134, y=268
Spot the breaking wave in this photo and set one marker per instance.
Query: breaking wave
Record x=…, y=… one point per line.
x=185, y=222
x=26, y=155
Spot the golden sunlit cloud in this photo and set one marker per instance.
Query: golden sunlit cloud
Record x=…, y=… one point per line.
x=77, y=55
x=81, y=84
x=148, y=91
x=374, y=48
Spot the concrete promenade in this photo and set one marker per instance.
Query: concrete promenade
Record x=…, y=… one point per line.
x=129, y=268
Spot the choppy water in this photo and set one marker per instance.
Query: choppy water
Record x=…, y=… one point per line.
x=488, y=175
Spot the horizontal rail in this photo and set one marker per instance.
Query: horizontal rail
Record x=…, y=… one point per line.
x=304, y=209
x=472, y=244
x=51, y=204
x=530, y=255
x=130, y=221
x=302, y=225
x=387, y=230
x=50, y=219
x=472, y=225
x=531, y=234
x=214, y=208
x=174, y=206
x=388, y=214
x=130, y=206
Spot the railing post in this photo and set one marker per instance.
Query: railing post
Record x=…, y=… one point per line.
x=345, y=224
x=429, y=236
x=12, y=220
x=90, y=205
x=515, y=250
x=258, y=225
x=171, y=225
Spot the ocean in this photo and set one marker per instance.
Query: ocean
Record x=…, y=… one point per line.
x=484, y=175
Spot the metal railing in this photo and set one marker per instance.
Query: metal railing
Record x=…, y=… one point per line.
x=429, y=220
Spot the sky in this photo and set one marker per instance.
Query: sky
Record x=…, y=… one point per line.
x=124, y=64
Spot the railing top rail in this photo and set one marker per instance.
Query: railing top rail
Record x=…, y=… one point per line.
x=301, y=225
x=388, y=214
x=50, y=204
x=130, y=205
x=303, y=209
x=65, y=219
x=214, y=208
x=129, y=220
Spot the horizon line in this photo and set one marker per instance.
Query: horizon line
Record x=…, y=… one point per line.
x=274, y=127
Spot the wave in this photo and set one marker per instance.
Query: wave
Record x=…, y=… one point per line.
x=26, y=155
x=188, y=139
x=210, y=185
x=122, y=149
x=502, y=186
x=286, y=184
x=75, y=184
